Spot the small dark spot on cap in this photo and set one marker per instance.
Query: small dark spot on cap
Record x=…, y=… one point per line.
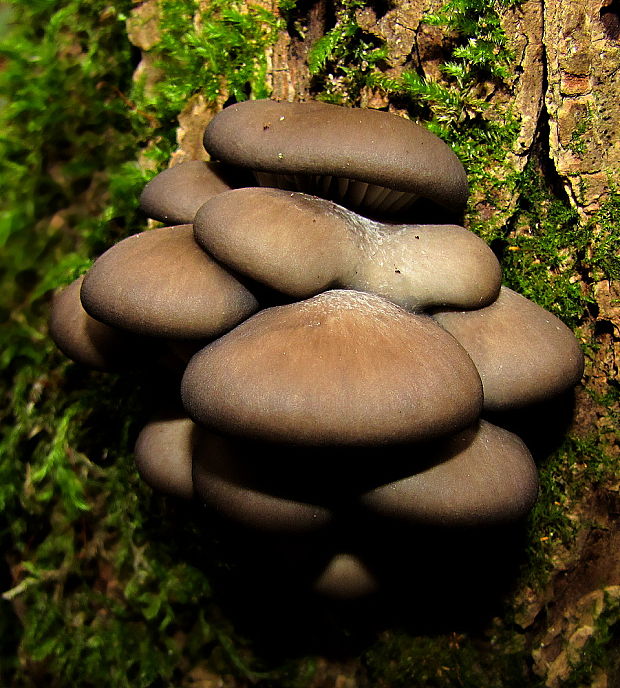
x=416, y=236
x=397, y=271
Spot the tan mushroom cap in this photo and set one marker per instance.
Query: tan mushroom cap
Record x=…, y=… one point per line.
x=254, y=493
x=484, y=475
x=163, y=455
x=341, y=368
x=302, y=245
x=345, y=577
x=174, y=195
x=161, y=283
x=524, y=354
x=86, y=340
x=355, y=156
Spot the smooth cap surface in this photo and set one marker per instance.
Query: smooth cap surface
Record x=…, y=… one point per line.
x=524, y=354
x=317, y=138
x=302, y=245
x=86, y=340
x=161, y=283
x=345, y=577
x=482, y=476
x=163, y=455
x=174, y=195
x=341, y=368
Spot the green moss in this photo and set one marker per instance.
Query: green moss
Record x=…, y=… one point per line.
x=447, y=661
x=600, y=651
x=342, y=61
x=108, y=593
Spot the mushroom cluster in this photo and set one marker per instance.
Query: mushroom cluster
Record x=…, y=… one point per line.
x=336, y=363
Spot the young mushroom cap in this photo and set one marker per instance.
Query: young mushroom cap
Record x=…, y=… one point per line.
x=360, y=157
x=341, y=368
x=524, y=354
x=252, y=490
x=302, y=245
x=161, y=283
x=86, y=340
x=346, y=577
x=174, y=195
x=483, y=475
x=163, y=454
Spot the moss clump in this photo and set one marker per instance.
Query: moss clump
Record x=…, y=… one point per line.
x=447, y=661
x=105, y=596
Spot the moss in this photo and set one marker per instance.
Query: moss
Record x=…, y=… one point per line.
x=600, y=652
x=447, y=661
x=343, y=61
x=107, y=596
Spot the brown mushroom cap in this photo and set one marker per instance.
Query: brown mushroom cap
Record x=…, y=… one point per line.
x=259, y=494
x=341, y=368
x=345, y=577
x=161, y=283
x=484, y=475
x=163, y=454
x=174, y=195
x=86, y=340
x=301, y=245
x=523, y=353
x=356, y=154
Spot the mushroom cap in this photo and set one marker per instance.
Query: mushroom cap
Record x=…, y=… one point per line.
x=174, y=195
x=315, y=138
x=483, y=475
x=86, y=340
x=262, y=495
x=345, y=577
x=295, y=243
x=161, y=283
x=341, y=368
x=524, y=354
x=163, y=454
x=301, y=245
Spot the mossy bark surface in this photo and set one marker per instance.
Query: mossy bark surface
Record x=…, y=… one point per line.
x=107, y=583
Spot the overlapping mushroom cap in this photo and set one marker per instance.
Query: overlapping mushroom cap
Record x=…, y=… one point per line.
x=302, y=245
x=480, y=476
x=160, y=283
x=361, y=158
x=524, y=354
x=174, y=195
x=341, y=368
x=86, y=340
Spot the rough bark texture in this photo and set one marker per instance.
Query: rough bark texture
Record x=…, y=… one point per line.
x=564, y=84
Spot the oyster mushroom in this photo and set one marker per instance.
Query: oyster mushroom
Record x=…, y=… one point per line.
x=174, y=195
x=483, y=475
x=341, y=368
x=160, y=283
x=250, y=486
x=359, y=157
x=345, y=577
x=301, y=245
x=163, y=453
x=86, y=340
x=524, y=354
